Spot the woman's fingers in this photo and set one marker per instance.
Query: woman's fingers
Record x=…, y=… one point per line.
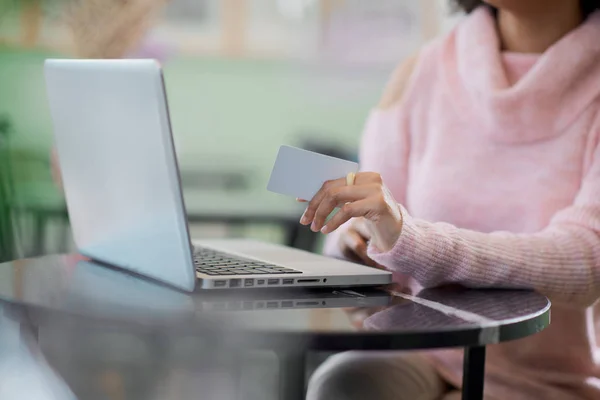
x=360, y=226
x=363, y=178
x=350, y=210
x=336, y=197
x=314, y=203
x=354, y=247
x=336, y=193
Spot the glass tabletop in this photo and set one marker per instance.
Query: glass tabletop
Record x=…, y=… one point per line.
x=70, y=285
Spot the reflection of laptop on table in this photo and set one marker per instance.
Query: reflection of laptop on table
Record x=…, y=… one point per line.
x=293, y=299
x=123, y=192
x=107, y=290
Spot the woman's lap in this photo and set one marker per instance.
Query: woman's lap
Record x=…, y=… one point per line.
x=378, y=376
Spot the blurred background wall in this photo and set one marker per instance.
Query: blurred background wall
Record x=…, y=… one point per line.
x=242, y=76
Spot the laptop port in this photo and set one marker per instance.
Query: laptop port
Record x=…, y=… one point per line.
x=248, y=282
x=307, y=280
x=288, y=281
x=235, y=282
x=272, y=304
x=260, y=305
x=287, y=304
x=260, y=281
x=248, y=305
x=307, y=303
x=273, y=281
x=220, y=283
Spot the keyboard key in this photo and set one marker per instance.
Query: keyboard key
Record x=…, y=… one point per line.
x=266, y=271
x=213, y=262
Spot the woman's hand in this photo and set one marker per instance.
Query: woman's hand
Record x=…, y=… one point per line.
x=354, y=241
x=368, y=197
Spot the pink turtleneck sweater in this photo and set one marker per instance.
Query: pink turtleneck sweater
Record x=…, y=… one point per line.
x=496, y=160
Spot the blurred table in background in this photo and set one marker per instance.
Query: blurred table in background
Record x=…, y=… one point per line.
x=232, y=208
x=219, y=189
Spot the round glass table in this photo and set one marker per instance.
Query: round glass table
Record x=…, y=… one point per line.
x=59, y=302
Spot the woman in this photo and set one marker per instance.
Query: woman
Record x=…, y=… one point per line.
x=484, y=170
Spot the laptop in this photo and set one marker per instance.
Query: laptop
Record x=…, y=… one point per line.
x=123, y=191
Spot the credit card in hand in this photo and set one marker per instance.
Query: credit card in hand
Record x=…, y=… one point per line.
x=301, y=173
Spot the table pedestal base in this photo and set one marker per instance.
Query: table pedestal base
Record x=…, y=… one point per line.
x=473, y=373
x=292, y=380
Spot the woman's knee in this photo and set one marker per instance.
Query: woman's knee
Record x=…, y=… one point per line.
x=360, y=375
x=345, y=376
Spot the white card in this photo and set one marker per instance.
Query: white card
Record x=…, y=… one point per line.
x=301, y=173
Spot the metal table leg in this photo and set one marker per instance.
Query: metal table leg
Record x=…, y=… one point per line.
x=473, y=373
x=39, y=234
x=292, y=370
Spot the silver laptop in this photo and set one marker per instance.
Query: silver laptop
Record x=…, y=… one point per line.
x=123, y=191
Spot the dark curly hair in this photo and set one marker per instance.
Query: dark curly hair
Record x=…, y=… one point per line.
x=587, y=6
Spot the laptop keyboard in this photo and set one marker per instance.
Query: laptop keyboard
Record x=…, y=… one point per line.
x=212, y=262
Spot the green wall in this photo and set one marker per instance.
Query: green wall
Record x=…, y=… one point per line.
x=223, y=111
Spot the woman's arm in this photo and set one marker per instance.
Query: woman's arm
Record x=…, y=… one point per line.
x=561, y=261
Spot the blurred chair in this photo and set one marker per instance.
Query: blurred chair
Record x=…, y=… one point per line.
x=217, y=179
x=330, y=148
x=8, y=237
